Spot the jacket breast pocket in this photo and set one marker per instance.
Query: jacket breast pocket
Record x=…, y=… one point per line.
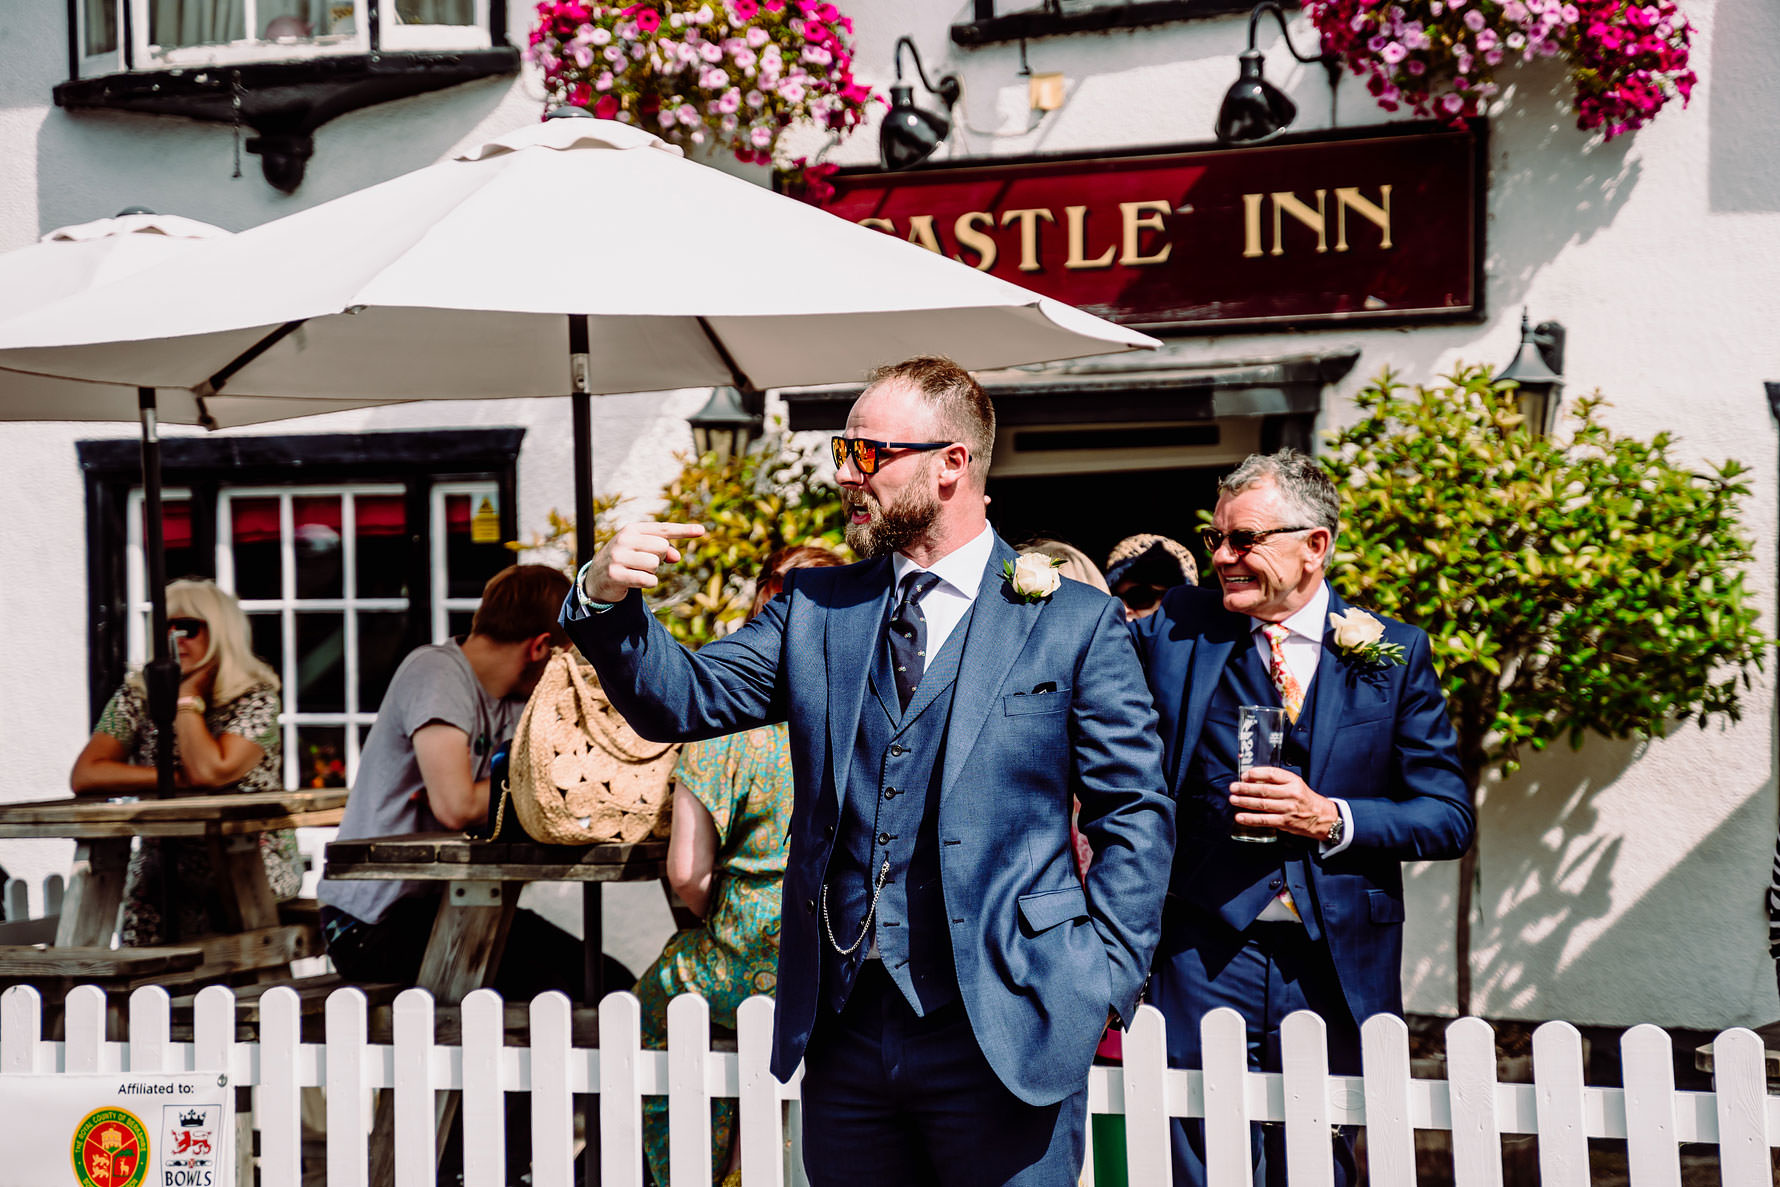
x=1384, y=907
x=1016, y=704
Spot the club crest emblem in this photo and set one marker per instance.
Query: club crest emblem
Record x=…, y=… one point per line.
x=110, y=1149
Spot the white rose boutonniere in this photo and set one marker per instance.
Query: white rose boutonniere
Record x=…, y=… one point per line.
x=1360, y=636
x=1033, y=576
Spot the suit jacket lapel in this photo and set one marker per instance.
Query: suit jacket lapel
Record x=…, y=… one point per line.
x=998, y=626
x=1224, y=631
x=851, y=638
x=1329, y=694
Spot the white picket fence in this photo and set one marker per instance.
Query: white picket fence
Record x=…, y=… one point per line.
x=1740, y=1117
x=19, y=925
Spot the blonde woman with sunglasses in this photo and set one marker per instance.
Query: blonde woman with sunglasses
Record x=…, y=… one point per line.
x=225, y=738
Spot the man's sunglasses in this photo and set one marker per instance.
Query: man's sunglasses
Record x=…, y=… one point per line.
x=1241, y=540
x=869, y=455
x=186, y=628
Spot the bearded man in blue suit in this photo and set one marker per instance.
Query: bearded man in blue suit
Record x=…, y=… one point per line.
x=943, y=972
x=1311, y=918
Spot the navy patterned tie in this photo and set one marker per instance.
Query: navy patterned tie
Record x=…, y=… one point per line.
x=907, y=634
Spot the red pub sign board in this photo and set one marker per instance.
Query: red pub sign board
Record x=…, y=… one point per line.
x=1372, y=227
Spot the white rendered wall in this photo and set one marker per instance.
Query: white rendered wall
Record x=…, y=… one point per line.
x=1621, y=884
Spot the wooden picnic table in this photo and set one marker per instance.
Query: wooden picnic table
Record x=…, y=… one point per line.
x=254, y=937
x=483, y=880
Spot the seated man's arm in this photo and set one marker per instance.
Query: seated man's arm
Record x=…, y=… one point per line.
x=456, y=797
x=1127, y=815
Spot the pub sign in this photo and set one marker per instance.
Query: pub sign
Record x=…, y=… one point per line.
x=1384, y=225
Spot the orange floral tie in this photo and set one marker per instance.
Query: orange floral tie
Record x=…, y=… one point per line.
x=1289, y=692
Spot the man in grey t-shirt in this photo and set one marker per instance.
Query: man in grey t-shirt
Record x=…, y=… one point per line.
x=425, y=769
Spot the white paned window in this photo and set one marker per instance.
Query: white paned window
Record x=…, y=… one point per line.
x=467, y=550
x=435, y=24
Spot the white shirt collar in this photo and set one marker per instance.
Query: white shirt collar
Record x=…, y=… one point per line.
x=1311, y=620
x=962, y=568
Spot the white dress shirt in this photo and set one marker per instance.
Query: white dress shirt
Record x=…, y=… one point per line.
x=1304, y=652
x=960, y=574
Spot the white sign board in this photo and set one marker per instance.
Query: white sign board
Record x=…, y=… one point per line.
x=118, y=1130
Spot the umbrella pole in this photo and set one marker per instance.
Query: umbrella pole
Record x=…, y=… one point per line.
x=161, y=675
x=593, y=931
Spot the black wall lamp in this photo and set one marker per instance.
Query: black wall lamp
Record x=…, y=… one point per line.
x=1537, y=371
x=728, y=423
x=1253, y=108
x=909, y=134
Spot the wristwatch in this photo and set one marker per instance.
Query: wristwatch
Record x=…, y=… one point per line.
x=1336, y=831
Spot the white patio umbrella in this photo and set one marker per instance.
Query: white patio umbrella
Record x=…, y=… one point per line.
x=574, y=256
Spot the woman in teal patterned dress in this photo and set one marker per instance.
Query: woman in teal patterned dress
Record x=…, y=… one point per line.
x=726, y=861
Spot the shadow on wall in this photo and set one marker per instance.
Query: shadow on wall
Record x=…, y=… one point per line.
x=1551, y=185
x=1736, y=66
x=91, y=164
x=1690, y=951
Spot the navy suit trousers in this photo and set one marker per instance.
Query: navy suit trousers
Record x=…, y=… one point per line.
x=1264, y=973
x=893, y=1100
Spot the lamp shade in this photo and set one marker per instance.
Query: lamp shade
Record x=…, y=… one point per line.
x=908, y=134
x=722, y=426
x=1253, y=109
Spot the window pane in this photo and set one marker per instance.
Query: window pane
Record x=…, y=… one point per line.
x=266, y=633
x=458, y=622
x=321, y=756
x=196, y=22
x=436, y=12
x=253, y=536
x=176, y=539
x=316, y=520
x=101, y=26
x=381, y=546
x=381, y=647
x=321, y=667
x=293, y=20
x=468, y=564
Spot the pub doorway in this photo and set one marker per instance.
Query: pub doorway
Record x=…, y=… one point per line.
x=1094, y=511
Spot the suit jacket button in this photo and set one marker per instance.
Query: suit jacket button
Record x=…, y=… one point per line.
x=884, y=838
x=828, y=832
x=1273, y=885
x=896, y=750
x=809, y=905
x=891, y=793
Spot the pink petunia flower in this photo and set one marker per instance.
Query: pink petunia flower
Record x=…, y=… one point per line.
x=607, y=107
x=648, y=20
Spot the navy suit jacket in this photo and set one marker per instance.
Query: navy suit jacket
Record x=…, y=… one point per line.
x=1381, y=740
x=1050, y=703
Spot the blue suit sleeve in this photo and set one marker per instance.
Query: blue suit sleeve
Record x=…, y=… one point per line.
x=668, y=693
x=1126, y=814
x=1427, y=813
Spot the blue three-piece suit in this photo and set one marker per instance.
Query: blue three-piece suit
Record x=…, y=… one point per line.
x=944, y=823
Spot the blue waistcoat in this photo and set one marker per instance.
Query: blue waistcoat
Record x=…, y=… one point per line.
x=891, y=815
x=1254, y=873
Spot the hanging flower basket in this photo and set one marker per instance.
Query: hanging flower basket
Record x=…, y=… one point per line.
x=731, y=73
x=1440, y=58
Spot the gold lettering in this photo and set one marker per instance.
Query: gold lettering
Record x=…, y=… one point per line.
x=1251, y=225
x=1139, y=216
x=1316, y=220
x=879, y=224
x=921, y=231
x=1077, y=216
x=1348, y=198
x=966, y=231
x=1028, y=220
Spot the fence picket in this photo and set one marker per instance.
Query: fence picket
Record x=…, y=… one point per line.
x=485, y=1145
x=761, y=1132
x=1471, y=1084
x=1223, y=1046
x=1558, y=1101
x=281, y=1089
x=1304, y=1062
x=83, y=1013
x=416, y=1139
x=213, y=1046
x=1653, y=1153
x=1390, y=1134
x=17, y=904
x=1146, y=1096
x=621, y=1101
x=151, y=1030
x=21, y=1030
x=553, y=1100
x=1739, y=1080
x=52, y=894
x=689, y=1100
x=348, y=1151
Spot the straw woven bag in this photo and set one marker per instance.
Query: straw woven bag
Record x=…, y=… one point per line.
x=580, y=774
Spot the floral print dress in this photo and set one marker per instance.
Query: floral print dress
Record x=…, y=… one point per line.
x=744, y=781
x=252, y=715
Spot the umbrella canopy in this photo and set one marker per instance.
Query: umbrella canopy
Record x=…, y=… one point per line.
x=454, y=282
